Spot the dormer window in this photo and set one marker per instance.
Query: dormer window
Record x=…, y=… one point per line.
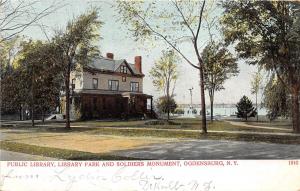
x=123, y=69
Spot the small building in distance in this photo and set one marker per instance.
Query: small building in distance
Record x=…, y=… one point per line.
x=108, y=88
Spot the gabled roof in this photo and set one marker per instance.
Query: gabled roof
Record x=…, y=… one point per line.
x=110, y=65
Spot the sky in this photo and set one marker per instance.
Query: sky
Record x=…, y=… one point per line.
x=117, y=40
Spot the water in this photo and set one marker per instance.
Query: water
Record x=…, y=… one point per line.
x=222, y=111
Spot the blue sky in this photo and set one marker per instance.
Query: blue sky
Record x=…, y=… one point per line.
x=116, y=39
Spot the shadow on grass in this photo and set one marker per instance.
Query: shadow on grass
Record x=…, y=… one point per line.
x=47, y=129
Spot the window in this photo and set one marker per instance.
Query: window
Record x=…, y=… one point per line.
x=124, y=79
x=123, y=69
x=95, y=83
x=73, y=83
x=113, y=85
x=134, y=86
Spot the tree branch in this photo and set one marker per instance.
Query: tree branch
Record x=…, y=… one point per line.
x=197, y=34
x=183, y=17
x=19, y=12
x=166, y=40
x=200, y=20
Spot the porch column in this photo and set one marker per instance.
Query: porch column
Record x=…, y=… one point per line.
x=151, y=104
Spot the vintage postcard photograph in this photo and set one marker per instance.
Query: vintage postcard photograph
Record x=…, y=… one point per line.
x=181, y=95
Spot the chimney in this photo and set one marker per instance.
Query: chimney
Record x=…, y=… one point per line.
x=138, y=63
x=110, y=55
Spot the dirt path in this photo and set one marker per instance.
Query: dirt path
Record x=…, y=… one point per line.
x=243, y=124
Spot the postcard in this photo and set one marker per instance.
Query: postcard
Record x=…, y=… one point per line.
x=152, y=95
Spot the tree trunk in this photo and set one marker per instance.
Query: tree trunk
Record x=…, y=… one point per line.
x=296, y=115
x=168, y=113
x=20, y=113
x=32, y=100
x=256, y=108
x=211, y=109
x=203, y=107
x=168, y=104
x=32, y=116
x=67, y=88
x=168, y=99
x=43, y=116
x=211, y=97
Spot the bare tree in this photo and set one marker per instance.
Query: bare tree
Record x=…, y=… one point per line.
x=175, y=22
x=16, y=16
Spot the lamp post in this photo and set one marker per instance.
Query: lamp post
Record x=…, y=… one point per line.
x=191, y=106
x=191, y=93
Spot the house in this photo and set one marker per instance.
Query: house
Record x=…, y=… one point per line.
x=108, y=88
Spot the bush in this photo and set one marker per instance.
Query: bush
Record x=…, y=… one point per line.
x=179, y=111
x=162, y=104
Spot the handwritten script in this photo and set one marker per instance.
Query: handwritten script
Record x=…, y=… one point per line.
x=135, y=179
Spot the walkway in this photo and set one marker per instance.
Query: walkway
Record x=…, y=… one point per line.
x=257, y=127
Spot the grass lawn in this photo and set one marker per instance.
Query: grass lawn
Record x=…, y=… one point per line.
x=178, y=124
x=58, y=153
x=69, y=154
x=176, y=128
x=282, y=139
x=155, y=128
x=189, y=124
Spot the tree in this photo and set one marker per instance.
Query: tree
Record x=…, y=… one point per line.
x=9, y=50
x=276, y=99
x=245, y=108
x=39, y=85
x=165, y=105
x=74, y=48
x=267, y=33
x=11, y=100
x=164, y=75
x=16, y=16
x=255, y=87
x=220, y=65
x=175, y=23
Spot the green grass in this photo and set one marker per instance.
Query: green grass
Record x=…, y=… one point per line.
x=191, y=124
x=110, y=123
x=58, y=153
x=188, y=124
x=283, y=139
